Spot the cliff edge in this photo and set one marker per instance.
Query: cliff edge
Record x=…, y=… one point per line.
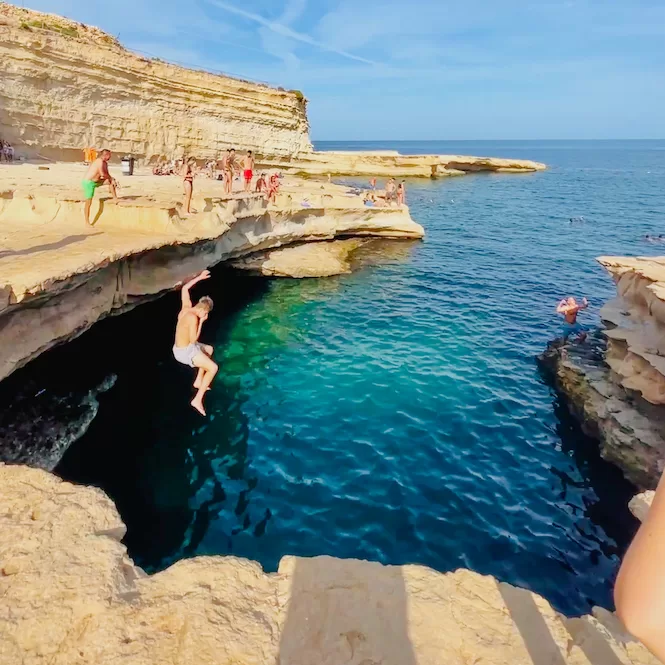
x=69, y=594
x=67, y=86
x=615, y=381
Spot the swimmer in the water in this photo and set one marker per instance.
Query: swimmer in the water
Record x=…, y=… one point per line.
x=187, y=348
x=569, y=307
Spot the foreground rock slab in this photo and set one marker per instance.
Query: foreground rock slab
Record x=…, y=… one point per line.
x=69, y=594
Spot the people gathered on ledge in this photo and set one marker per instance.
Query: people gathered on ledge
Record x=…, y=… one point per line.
x=226, y=170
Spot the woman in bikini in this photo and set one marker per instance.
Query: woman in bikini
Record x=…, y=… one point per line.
x=188, y=183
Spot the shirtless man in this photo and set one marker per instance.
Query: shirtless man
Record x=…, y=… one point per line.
x=97, y=175
x=248, y=169
x=187, y=348
x=390, y=193
x=569, y=307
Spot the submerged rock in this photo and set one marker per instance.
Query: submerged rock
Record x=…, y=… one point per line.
x=37, y=428
x=70, y=594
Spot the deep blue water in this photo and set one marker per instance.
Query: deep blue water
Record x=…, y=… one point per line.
x=396, y=414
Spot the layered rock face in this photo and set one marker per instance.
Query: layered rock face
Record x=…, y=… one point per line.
x=387, y=163
x=65, y=86
x=618, y=390
x=319, y=259
x=70, y=594
x=57, y=277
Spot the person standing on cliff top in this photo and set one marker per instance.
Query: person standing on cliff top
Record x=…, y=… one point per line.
x=188, y=183
x=230, y=167
x=248, y=168
x=97, y=175
x=569, y=307
x=401, y=193
x=187, y=349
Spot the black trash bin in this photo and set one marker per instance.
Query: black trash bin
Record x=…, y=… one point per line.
x=128, y=165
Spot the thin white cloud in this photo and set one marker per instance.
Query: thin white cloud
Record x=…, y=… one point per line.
x=285, y=31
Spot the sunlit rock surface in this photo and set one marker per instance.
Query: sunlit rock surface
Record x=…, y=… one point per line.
x=67, y=86
x=639, y=505
x=616, y=385
x=320, y=259
x=70, y=594
x=58, y=276
x=629, y=435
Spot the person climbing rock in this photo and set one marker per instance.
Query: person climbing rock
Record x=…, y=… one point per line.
x=570, y=308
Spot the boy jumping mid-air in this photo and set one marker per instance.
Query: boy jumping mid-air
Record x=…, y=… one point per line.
x=569, y=307
x=187, y=348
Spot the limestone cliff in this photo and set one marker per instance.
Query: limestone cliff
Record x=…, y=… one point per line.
x=619, y=392
x=69, y=594
x=65, y=86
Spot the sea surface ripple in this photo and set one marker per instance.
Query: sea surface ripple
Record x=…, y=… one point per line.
x=396, y=414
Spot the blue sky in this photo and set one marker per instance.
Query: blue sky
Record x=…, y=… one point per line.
x=421, y=69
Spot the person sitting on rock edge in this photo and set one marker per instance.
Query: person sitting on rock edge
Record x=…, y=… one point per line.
x=261, y=184
x=187, y=349
x=569, y=307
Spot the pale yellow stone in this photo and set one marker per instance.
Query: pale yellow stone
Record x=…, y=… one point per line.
x=78, y=599
x=101, y=95
x=143, y=246
x=314, y=259
x=156, y=110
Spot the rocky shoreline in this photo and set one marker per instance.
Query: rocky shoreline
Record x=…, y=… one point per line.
x=613, y=382
x=70, y=594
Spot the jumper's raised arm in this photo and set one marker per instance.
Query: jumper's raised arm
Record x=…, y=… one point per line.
x=184, y=294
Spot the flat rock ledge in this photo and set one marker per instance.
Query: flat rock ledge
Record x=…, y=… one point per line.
x=70, y=595
x=629, y=430
x=315, y=259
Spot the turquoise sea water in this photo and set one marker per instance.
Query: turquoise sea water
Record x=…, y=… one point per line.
x=396, y=414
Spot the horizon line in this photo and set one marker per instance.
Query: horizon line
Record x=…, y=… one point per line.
x=470, y=140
